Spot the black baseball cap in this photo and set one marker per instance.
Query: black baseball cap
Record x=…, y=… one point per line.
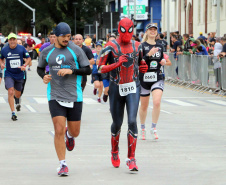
x=151, y=25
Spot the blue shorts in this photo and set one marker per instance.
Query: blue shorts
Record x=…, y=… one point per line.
x=106, y=83
x=11, y=82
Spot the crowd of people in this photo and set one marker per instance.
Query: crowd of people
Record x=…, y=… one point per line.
x=124, y=69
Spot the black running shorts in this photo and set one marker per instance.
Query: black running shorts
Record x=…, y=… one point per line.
x=72, y=114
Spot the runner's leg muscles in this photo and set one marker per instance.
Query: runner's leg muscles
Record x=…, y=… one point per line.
x=100, y=90
x=59, y=123
x=11, y=98
x=17, y=93
x=143, y=108
x=156, y=96
x=74, y=128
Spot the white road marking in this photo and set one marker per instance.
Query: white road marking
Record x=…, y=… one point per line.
x=181, y=103
x=2, y=100
x=41, y=100
x=90, y=101
x=220, y=102
x=89, y=84
x=30, y=108
x=162, y=111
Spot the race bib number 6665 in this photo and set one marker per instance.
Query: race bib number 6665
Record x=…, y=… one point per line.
x=128, y=88
x=150, y=77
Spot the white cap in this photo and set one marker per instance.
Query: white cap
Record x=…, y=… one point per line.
x=39, y=34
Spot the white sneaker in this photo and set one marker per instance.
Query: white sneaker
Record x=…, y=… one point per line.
x=143, y=134
x=154, y=133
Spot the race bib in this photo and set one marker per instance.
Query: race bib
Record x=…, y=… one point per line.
x=14, y=63
x=66, y=104
x=150, y=77
x=128, y=88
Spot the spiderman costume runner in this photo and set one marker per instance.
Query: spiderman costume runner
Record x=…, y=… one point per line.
x=124, y=58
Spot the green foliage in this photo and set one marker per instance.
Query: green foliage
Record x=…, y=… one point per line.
x=48, y=14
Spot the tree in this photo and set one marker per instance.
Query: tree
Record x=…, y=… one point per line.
x=48, y=14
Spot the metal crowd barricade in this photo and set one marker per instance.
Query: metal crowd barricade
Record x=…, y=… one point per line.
x=198, y=71
x=184, y=68
x=170, y=71
x=223, y=73
x=214, y=72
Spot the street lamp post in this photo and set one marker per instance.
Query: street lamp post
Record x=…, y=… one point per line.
x=75, y=3
x=33, y=10
x=218, y=18
x=168, y=22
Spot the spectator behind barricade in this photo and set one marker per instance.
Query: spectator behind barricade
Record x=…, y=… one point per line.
x=88, y=41
x=178, y=52
x=210, y=48
x=163, y=42
x=216, y=62
x=176, y=43
x=40, y=36
x=157, y=38
x=201, y=36
x=199, y=50
x=94, y=39
x=179, y=37
x=211, y=37
x=191, y=35
x=141, y=34
x=187, y=45
x=202, y=42
x=223, y=52
x=197, y=43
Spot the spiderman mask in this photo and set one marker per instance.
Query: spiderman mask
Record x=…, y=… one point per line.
x=125, y=29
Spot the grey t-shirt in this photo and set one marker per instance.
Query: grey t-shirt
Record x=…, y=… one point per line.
x=64, y=88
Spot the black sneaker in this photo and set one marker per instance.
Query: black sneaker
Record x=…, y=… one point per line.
x=18, y=106
x=14, y=117
x=105, y=98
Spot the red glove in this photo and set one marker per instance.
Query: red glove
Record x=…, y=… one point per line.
x=122, y=59
x=108, y=68
x=143, y=66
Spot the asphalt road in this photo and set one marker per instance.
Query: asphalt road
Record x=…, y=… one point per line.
x=191, y=149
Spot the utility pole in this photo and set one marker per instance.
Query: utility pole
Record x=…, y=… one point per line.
x=168, y=22
x=33, y=10
x=135, y=15
x=128, y=8
x=111, y=22
x=97, y=24
x=218, y=18
x=75, y=3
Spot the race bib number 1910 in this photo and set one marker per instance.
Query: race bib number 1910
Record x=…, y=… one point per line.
x=128, y=88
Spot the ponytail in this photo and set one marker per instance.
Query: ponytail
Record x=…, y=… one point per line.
x=145, y=38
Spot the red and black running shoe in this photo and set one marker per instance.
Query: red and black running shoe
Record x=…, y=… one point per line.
x=131, y=163
x=63, y=171
x=115, y=159
x=70, y=142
